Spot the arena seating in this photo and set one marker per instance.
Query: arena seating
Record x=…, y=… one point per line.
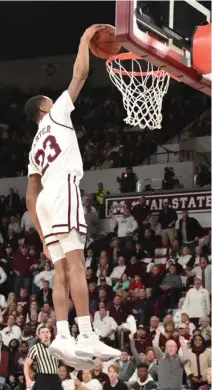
x=23, y=308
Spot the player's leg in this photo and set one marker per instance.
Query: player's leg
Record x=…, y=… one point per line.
x=63, y=347
x=88, y=343
x=61, y=297
x=79, y=287
x=67, y=217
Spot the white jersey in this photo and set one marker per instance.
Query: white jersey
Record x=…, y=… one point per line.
x=55, y=150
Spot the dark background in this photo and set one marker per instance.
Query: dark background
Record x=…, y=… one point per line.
x=31, y=29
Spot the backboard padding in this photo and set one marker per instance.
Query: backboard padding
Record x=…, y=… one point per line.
x=153, y=51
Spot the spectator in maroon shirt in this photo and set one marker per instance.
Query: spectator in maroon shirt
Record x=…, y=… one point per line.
x=168, y=335
x=4, y=361
x=118, y=311
x=140, y=339
x=133, y=268
x=23, y=265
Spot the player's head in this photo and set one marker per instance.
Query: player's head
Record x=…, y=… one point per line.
x=38, y=106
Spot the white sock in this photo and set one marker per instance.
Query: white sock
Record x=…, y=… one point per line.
x=63, y=328
x=84, y=324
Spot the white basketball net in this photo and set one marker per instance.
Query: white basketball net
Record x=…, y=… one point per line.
x=142, y=93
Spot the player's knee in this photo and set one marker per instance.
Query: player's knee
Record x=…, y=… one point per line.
x=60, y=272
x=60, y=279
x=75, y=259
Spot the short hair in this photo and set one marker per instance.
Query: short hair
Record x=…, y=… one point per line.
x=114, y=367
x=42, y=327
x=150, y=349
x=44, y=312
x=32, y=108
x=24, y=343
x=143, y=365
x=11, y=315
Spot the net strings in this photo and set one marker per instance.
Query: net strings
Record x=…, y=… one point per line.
x=142, y=95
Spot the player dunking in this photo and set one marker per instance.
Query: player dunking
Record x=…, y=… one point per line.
x=54, y=203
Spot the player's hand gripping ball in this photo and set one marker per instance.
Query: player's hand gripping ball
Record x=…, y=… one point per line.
x=104, y=44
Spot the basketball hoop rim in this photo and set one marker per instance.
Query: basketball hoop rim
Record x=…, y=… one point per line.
x=132, y=56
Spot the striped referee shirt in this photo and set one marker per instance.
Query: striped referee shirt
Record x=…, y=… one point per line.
x=45, y=363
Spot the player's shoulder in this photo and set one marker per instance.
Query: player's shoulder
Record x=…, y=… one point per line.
x=63, y=97
x=63, y=106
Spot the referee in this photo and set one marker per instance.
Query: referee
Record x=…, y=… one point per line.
x=46, y=366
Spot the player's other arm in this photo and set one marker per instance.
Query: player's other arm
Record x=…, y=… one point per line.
x=34, y=187
x=81, y=65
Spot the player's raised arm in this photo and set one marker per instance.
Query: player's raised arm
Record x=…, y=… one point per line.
x=81, y=65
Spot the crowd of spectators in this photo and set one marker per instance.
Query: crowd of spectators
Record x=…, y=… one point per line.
x=105, y=141
x=158, y=279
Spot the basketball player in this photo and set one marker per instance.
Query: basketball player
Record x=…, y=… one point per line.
x=54, y=203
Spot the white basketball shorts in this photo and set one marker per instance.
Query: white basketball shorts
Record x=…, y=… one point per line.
x=61, y=216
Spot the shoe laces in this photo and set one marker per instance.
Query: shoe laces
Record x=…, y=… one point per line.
x=96, y=332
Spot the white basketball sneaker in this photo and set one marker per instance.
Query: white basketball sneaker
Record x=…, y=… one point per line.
x=90, y=345
x=63, y=348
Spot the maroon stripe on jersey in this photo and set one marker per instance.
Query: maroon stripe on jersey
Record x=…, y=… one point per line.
x=53, y=242
x=63, y=224
x=60, y=124
x=49, y=235
x=68, y=225
x=77, y=207
x=69, y=209
x=69, y=203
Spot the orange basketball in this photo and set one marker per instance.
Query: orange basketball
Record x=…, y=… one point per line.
x=103, y=43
